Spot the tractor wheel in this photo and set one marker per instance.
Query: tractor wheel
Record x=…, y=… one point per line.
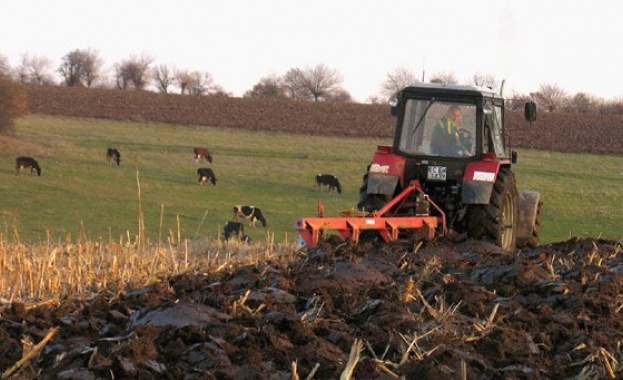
x=533, y=240
x=496, y=221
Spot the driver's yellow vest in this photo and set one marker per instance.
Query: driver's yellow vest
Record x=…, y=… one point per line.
x=447, y=124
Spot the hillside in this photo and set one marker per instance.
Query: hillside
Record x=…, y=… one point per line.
x=567, y=133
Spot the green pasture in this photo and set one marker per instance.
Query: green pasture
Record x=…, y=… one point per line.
x=80, y=197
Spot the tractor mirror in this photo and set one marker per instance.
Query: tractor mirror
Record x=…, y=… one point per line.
x=530, y=111
x=393, y=103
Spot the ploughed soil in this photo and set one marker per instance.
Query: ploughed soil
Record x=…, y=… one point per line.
x=442, y=311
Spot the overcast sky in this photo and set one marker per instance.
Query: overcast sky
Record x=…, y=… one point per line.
x=571, y=43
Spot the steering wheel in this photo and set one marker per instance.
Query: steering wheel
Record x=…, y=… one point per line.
x=466, y=139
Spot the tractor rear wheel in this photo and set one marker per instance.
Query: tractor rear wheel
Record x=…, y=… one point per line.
x=496, y=222
x=533, y=240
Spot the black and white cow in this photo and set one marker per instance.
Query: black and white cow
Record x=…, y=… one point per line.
x=202, y=153
x=206, y=175
x=24, y=162
x=113, y=155
x=235, y=229
x=250, y=213
x=328, y=180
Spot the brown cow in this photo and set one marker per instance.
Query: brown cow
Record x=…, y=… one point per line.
x=200, y=153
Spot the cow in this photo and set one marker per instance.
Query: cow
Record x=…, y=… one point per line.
x=200, y=153
x=24, y=162
x=235, y=229
x=250, y=213
x=113, y=155
x=206, y=175
x=328, y=180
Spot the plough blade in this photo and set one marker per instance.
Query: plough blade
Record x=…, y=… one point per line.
x=389, y=228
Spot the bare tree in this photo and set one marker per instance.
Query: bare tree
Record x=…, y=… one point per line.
x=133, y=72
x=444, y=78
x=202, y=83
x=339, y=95
x=485, y=80
x=317, y=83
x=396, y=80
x=583, y=103
x=517, y=101
x=184, y=79
x=294, y=83
x=268, y=87
x=35, y=70
x=164, y=76
x=322, y=82
x=5, y=68
x=550, y=96
x=93, y=64
x=198, y=83
x=80, y=67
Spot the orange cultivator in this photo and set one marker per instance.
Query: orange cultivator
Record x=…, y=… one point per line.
x=386, y=221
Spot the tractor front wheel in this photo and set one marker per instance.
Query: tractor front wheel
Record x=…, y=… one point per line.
x=496, y=222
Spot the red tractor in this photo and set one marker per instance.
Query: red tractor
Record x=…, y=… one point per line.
x=448, y=171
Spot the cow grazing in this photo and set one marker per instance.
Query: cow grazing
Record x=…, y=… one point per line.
x=23, y=162
x=235, y=229
x=202, y=153
x=250, y=213
x=206, y=175
x=328, y=180
x=113, y=155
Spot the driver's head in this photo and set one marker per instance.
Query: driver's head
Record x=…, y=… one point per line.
x=454, y=113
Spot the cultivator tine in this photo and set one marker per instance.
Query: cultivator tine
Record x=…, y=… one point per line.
x=350, y=224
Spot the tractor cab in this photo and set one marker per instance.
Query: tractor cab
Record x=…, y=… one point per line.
x=449, y=122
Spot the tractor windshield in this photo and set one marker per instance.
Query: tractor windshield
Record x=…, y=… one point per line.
x=438, y=128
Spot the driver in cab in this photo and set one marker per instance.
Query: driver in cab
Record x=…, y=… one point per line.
x=446, y=138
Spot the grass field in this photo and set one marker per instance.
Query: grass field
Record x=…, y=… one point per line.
x=79, y=197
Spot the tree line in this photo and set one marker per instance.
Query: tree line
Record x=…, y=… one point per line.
x=85, y=68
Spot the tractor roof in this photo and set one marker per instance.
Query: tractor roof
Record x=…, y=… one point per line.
x=451, y=89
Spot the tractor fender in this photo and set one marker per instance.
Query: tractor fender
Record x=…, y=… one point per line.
x=384, y=173
x=478, y=181
x=528, y=204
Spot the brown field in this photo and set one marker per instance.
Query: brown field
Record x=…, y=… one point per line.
x=561, y=132
x=216, y=310
x=451, y=311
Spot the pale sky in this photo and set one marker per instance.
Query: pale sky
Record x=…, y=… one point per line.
x=570, y=43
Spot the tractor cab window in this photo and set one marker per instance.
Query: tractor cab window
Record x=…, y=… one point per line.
x=438, y=128
x=493, y=133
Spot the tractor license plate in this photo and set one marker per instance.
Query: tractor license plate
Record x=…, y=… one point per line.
x=436, y=173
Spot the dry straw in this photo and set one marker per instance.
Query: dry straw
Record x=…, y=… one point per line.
x=58, y=270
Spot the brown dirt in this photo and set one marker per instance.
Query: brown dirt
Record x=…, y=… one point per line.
x=443, y=311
